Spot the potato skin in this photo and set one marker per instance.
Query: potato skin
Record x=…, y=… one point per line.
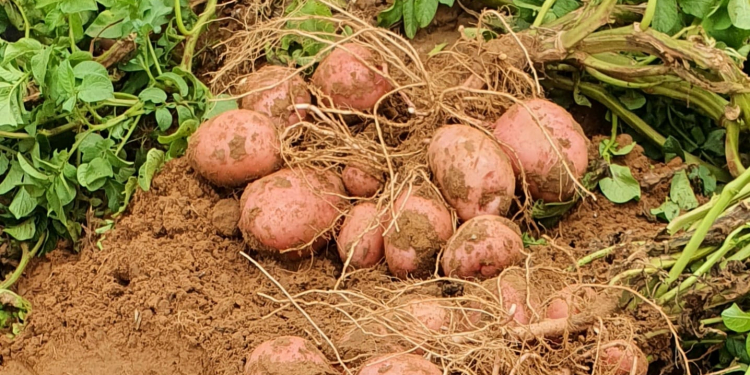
x=432, y=314
x=369, y=249
x=289, y=208
x=402, y=364
x=287, y=355
x=569, y=301
x=513, y=291
x=482, y=247
x=618, y=359
x=234, y=148
x=275, y=102
x=360, y=183
x=347, y=81
x=472, y=171
x=529, y=149
x=425, y=225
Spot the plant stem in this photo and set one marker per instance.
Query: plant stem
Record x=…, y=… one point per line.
x=649, y=15
x=127, y=136
x=603, y=253
x=153, y=55
x=731, y=148
x=546, y=6
x=668, y=261
x=26, y=26
x=712, y=321
x=192, y=39
x=648, y=270
x=705, y=267
x=589, y=23
x=26, y=256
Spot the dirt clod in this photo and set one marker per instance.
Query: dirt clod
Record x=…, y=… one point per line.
x=225, y=216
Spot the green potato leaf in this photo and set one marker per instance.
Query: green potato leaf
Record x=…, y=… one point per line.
x=22, y=232
x=621, y=187
x=154, y=161
x=667, y=211
x=681, y=192
x=736, y=319
x=23, y=204
x=739, y=13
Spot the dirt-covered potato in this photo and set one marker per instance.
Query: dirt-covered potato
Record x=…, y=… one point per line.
x=289, y=209
x=623, y=358
x=482, y=247
x=287, y=355
x=532, y=151
x=514, y=297
x=569, y=301
x=362, y=235
x=276, y=101
x=472, y=171
x=399, y=364
x=345, y=77
x=430, y=313
x=360, y=183
x=234, y=148
x=424, y=225
x=371, y=338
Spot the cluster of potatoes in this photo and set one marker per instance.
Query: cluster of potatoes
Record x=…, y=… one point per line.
x=291, y=213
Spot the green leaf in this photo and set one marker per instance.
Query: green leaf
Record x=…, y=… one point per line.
x=4, y=163
x=736, y=319
x=54, y=205
x=715, y=142
x=154, y=95
x=76, y=24
x=390, y=16
x=529, y=240
x=717, y=21
x=29, y=169
x=447, y=2
x=667, y=17
x=563, y=7
x=65, y=78
x=23, y=204
x=186, y=129
x=411, y=22
x=39, y=66
x=154, y=161
x=163, y=118
x=76, y=6
x=672, y=148
x=106, y=25
x=425, y=11
x=92, y=146
x=22, y=47
x=85, y=68
x=64, y=191
x=12, y=179
x=697, y=8
x=95, y=88
x=667, y=211
x=633, y=100
x=681, y=192
x=219, y=106
x=93, y=175
x=437, y=49
x=623, y=150
x=708, y=181
x=621, y=187
x=176, y=80
x=736, y=346
x=128, y=192
x=22, y=232
x=113, y=190
x=739, y=13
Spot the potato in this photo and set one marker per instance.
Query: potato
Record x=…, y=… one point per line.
x=432, y=314
x=234, y=148
x=472, y=171
x=424, y=226
x=623, y=358
x=290, y=208
x=275, y=102
x=482, y=247
x=356, y=229
x=569, y=301
x=344, y=76
x=372, y=338
x=399, y=364
x=288, y=355
x=513, y=291
x=531, y=151
x=360, y=183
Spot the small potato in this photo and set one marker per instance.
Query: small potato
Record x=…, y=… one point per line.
x=288, y=355
x=290, y=208
x=360, y=183
x=513, y=296
x=482, y=247
x=424, y=226
x=531, y=150
x=399, y=364
x=362, y=235
x=344, y=76
x=623, y=358
x=569, y=301
x=472, y=171
x=234, y=148
x=275, y=102
x=372, y=338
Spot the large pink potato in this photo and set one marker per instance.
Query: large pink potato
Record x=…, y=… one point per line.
x=360, y=183
x=344, y=77
x=482, y=247
x=532, y=152
x=424, y=226
x=362, y=235
x=276, y=101
x=287, y=355
x=472, y=171
x=234, y=148
x=399, y=364
x=290, y=208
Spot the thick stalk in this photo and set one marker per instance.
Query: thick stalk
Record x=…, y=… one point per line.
x=725, y=198
x=732, y=149
x=588, y=23
x=192, y=39
x=546, y=6
x=26, y=256
x=666, y=262
x=694, y=216
x=603, y=253
x=649, y=15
